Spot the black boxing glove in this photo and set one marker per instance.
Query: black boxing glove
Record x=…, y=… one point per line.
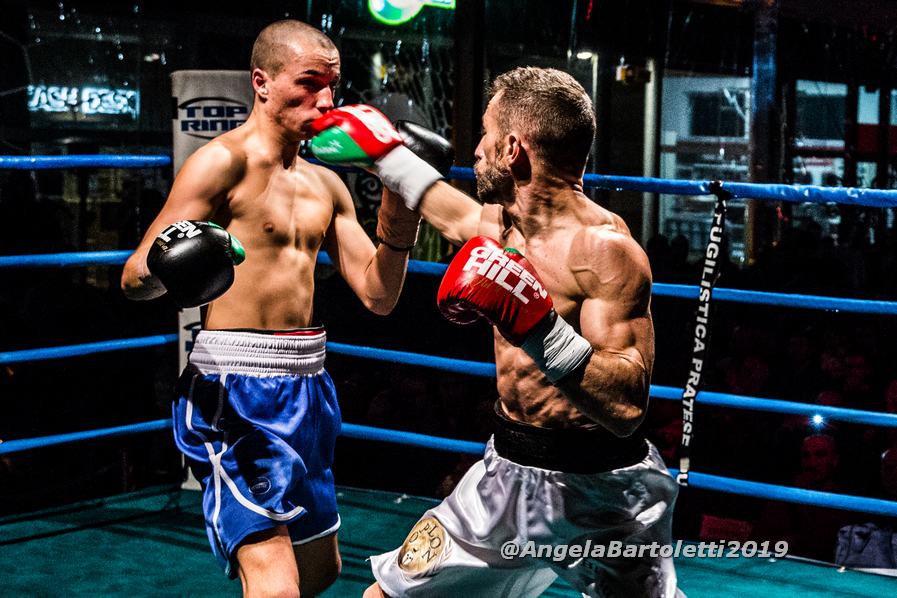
x=194, y=261
x=436, y=150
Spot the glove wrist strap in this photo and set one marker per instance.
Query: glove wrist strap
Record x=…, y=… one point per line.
x=396, y=247
x=397, y=226
x=557, y=348
x=406, y=174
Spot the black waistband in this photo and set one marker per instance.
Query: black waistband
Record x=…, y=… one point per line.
x=571, y=450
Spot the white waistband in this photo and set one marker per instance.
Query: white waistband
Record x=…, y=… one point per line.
x=258, y=354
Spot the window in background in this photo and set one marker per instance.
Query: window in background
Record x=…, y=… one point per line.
x=704, y=137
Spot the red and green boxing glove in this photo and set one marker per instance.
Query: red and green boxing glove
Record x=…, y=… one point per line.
x=362, y=136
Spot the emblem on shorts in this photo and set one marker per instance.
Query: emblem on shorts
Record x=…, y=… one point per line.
x=424, y=548
x=260, y=486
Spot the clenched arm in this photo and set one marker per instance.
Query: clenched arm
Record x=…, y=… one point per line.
x=198, y=191
x=454, y=214
x=615, y=318
x=375, y=274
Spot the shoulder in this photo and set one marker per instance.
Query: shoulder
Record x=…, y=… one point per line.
x=606, y=258
x=218, y=158
x=328, y=183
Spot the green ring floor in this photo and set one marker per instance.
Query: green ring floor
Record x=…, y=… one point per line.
x=153, y=543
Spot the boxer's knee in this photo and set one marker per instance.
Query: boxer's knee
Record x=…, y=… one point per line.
x=374, y=591
x=267, y=566
x=314, y=582
x=319, y=564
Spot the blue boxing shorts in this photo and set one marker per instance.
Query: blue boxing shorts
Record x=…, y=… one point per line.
x=257, y=419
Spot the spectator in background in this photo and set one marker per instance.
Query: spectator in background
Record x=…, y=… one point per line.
x=681, y=271
x=857, y=387
x=810, y=531
x=658, y=250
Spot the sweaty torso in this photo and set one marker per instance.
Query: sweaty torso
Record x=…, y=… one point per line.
x=280, y=213
x=525, y=393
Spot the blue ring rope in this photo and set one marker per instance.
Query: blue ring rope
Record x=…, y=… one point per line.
x=412, y=438
x=482, y=369
x=459, y=366
x=66, y=260
x=718, y=399
x=83, y=161
x=772, y=192
x=26, y=444
x=775, y=192
x=661, y=289
x=801, y=496
x=86, y=348
x=858, y=306
x=696, y=480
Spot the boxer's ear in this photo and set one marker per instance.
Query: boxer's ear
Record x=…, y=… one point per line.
x=517, y=157
x=260, y=81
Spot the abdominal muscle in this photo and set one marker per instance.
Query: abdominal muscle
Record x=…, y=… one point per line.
x=273, y=292
x=527, y=396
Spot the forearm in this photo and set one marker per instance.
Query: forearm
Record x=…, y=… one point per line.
x=612, y=390
x=137, y=283
x=454, y=214
x=383, y=279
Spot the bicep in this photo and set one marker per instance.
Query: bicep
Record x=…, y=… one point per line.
x=616, y=282
x=198, y=191
x=196, y=194
x=346, y=242
x=610, y=327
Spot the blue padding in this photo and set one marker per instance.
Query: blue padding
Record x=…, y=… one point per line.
x=862, y=306
x=25, y=444
x=82, y=161
x=86, y=348
x=801, y=496
x=412, y=439
x=854, y=416
x=460, y=366
x=65, y=260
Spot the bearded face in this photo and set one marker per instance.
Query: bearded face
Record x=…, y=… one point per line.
x=494, y=181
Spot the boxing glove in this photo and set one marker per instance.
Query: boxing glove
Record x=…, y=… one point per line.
x=397, y=226
x=485, y=280
x=358, y=135
x=433, y=148
x=194, y=261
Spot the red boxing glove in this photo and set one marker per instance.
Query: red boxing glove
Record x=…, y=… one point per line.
x=498, y=284
x=501, y=286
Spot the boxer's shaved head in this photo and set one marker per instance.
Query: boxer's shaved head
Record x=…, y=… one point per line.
x=276, y=43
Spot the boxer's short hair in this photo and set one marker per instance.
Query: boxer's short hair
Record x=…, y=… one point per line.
x=270, y=49
x=551, y=109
